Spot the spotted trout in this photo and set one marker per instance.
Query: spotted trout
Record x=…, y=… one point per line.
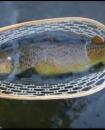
x=58, y=58
x=52, y=58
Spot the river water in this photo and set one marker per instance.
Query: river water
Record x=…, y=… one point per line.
x=85, y=112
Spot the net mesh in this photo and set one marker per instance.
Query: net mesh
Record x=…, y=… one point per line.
x=81, y=85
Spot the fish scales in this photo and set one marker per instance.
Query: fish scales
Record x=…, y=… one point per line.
x=54, y=58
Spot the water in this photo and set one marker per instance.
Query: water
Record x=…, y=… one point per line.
x=85, y=112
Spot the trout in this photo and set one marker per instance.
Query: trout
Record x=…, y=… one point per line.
x=56, y=58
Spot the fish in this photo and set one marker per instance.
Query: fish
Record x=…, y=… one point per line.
x=55, y=58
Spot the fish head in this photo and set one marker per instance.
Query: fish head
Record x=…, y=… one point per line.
x=96, y=49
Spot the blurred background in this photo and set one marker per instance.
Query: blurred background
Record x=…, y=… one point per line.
x=85, y=112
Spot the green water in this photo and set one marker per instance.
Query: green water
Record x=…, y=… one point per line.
x=31, y=114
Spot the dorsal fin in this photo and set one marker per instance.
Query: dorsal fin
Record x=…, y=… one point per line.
x=97, y=40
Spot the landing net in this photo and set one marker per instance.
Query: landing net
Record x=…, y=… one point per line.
x=78, y=87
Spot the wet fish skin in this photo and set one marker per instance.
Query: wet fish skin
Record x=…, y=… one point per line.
x=50, y=58
x=96, y=50
x=55, y=58
x=6, y=66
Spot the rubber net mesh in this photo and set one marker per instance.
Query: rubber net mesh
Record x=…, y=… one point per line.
x=80, y=84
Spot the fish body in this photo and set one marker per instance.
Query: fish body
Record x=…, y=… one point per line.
x=59, y=58
x=54, y=58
